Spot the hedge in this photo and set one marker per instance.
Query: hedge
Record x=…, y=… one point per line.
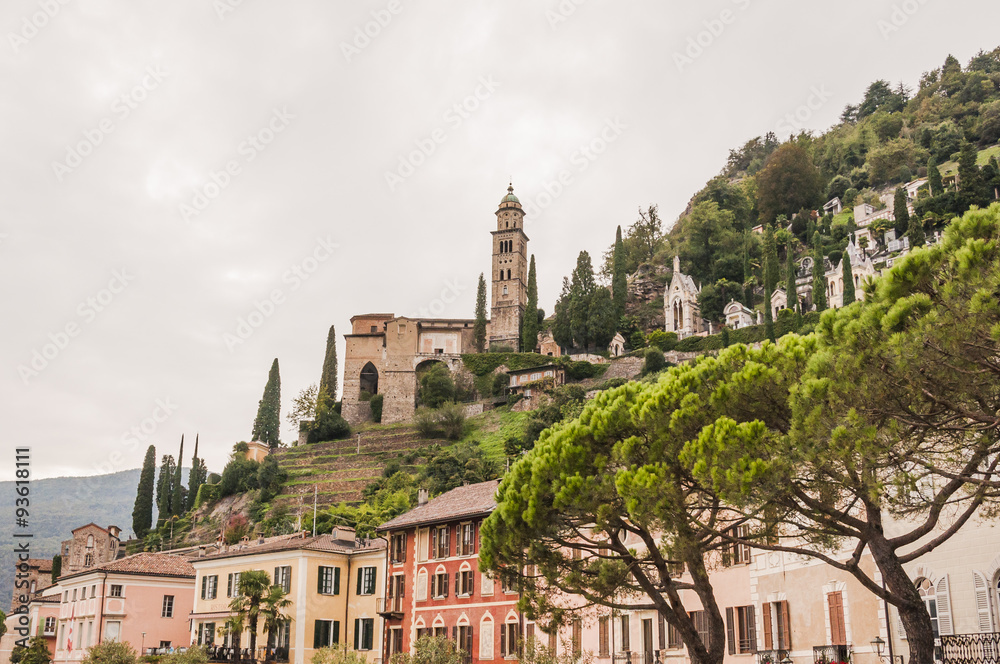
x=481, y=364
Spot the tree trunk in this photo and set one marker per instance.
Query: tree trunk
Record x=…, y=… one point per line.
x=912, y=612
x=253, y=637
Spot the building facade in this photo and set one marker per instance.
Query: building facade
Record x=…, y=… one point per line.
x=90, y=546
x=434, y=586
x=32, y=576
x=332, y=581
x=680, y=302
x=510, y=274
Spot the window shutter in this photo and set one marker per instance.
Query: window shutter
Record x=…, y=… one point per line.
x=275, y=577
x=229, y=585
x=319, y=580
x=401, y=586
x=357, y=632
x=730, y=632
x=661, y=629
x=402, y=552
x=318, y=634
x=900, y=628
x=447, y=541
x=444, y=582
x=204, y=584
x=468, y=640
x=373, y=581
x=434, y=543
x=752, y=627
x=766, y=608
x=503, y=640
x=336, y=580
x=336, y=633
x=369, y=632
x=472, y=583
x=982, y=602
x=838, y=635
x=454, y=636
x=361, y=574
x=458, y=584
x=945, y=626
x=786, y=628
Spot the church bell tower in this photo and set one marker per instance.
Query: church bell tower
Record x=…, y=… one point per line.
x=510, y=273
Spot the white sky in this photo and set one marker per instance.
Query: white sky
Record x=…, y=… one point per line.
x=198, y=80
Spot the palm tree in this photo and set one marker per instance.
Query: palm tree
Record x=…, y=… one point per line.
x=272, y=608
x=234, y=627
x=253, y=587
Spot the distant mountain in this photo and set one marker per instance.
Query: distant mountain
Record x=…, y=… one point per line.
x=59, y=505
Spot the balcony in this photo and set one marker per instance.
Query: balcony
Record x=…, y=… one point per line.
x=390, y=607
x=831, y=654
x=771, y=656
x=626, y=657
x=981, y=648
x=220, y=654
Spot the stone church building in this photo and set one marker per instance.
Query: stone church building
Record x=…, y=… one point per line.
x=680, y=302
x=384, y=353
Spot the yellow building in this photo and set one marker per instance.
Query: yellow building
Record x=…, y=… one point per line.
x=333, y=582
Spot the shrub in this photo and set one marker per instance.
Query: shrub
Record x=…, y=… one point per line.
x=338, y=655
x=653, y=361
x=236, y=529
x=582, y=370
x=486, y=363
x=665, y=341
x=427, y=423
x=430, y=650
x=239, y=476
x=436, y=386
x=788, y=321
x=451, y=419
x=328, y=426
x=110, y=652
x=376, y=405
x=207, y=493
x=637, y=340
x=688, y=345
x=214, y=478
x=193, y=655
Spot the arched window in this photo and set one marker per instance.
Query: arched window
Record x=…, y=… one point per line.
x=926, y=590
x=90, y=541
x=508, y=274
x=369, y=379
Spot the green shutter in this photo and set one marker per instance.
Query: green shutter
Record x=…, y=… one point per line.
x=318, y=634
x=336, y=632
x=361, y=574
x=357, y=630
x=319, y=580
x=336, y=580
x=369, y=632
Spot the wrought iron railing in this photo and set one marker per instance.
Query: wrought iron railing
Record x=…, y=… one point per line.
x=771, y=656
x=385, y=605
x=831, y=654
x=625, y=657
x=981, y=648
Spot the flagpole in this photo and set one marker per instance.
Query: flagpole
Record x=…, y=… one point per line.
x=315, y=496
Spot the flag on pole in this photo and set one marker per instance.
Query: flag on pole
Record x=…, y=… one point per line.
x=69, y=637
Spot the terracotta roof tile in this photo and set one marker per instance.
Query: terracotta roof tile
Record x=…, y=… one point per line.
x=43, y=564
x=149, y=564
x=472, y=500
x=296, y=542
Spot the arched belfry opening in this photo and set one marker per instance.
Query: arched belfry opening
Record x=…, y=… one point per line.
x=369, y=379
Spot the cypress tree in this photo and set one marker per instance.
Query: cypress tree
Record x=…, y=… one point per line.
x=164, y=487
x=934, y=178
x=529, y=326
x=849, y=292
x=791, y=288
x=480, y=327
x=771, y=266
x=619, y=280
x=901, y=211
x=267, y=424
x=562, y=330
x=142, y=512
x=916, y=232
x=768, y=291
x=328, y=381
x=968, y=169
x=581, y=291
x=197, y=476
x=56, y=567
x=748, y=278
x=177, y=493
x=819, y=276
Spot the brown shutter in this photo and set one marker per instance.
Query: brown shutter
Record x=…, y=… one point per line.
x=662, y=632
x=785, y=626
x=838, y=635
x=766, y=608
x=602, y=631
x=752, y=627
x=434, y=543
x=503, y=640
x=730, y=630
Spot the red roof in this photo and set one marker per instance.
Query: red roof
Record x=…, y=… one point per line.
x=296, y=542
x=146, y=564
x=464, y=501
x=43, y=564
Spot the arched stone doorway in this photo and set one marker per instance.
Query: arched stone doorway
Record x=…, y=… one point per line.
x=369, y=379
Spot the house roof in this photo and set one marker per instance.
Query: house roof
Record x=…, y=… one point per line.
x=325, y=543
x=89, y=525
x=143, y=564
x=43, y=564
x=518, y=372
x=472, y=500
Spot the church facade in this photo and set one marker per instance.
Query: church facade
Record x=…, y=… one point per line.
x=680, y=302
x=384, y=353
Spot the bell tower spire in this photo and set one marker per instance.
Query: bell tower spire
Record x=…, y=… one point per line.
x=510, y=273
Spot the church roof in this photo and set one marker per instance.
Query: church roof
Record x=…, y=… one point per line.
x=510, y=197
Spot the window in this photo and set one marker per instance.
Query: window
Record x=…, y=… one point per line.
x=467, y=539
x=50, y=625
x=736, y=554
x=113, y=630
x=440, y=542
x=206, y=634
x=116, y=591
x=577, y=637
x=927, y=594
x=464, y=583
x=506, y=585
x=835, y=606
x=780, y=636
x=233, y=585
x=741, y=630
x=508, y=640
x=486, y=638
x=395, y=640
x=209, y=587
x=673, y=636
x=283, y=577
x=625, y=633
x=283, y=636
x=328, y=582
x=504, y=289
x=326, y=633
x=603, y=634
x=374, y=329
x=364, y=633
x=75, y=591
x=366, y=581
x=398, y=553
x=441, y=632
x=167, y=610
x=700, y=620
x=88, y=560
x=90, y=541
x=439, y=585
x=93, y=591
x=464, y=642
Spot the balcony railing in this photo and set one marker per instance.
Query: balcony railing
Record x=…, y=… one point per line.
x=831, y=654
x=981, y=648
x=626, y=657
x=771, y=656
x=390, y=607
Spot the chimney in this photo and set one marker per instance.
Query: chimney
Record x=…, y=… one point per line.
x=422, y=496
x=344, y=534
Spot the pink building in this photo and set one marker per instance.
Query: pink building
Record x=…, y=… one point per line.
x=145, y=600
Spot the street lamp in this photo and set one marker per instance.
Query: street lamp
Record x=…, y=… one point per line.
x=142, y=644
x=878, y=647
x=786, y=660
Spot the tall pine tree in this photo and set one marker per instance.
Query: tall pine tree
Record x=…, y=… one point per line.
x=581, y=292
x=901, y=211
x=748, y=276
x=267, y=425
x=177, y=504
x=328, y=381
x=791, y=288
x=916, y=232
x=142, y=512
x=197, y=476
x=934, y=178
x=849, y=291
x=562, y=329
x=619, y=280
x=164, y=489
x=819, y=274
x=770, y=258
x=479, y=331
x=772, y=269
x=529, y=327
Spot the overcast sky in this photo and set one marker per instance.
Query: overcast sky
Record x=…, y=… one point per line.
x=169, y=168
